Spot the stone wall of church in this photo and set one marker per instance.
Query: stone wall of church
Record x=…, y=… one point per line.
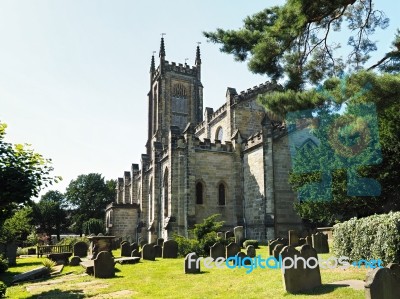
x=122, y=220
x=247, y=117
x=254, y=197
x=286, y=217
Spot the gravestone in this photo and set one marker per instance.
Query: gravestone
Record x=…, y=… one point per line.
x=142, y=243
x=31, y=274
x=383, y=283
x=135, y=253
x=305, y=276
x=229, y=234
x=125, y=249
x=170, y=249
x=293, y=238
x=104, y=265
x=251, y=251
x=80, y=249
x=75, y=261
x=277, y=250
x=240, y=259
x=148, y=252
x=158, y=250
x=191, y=265
x=238, y=231
x=11, y=253
x=302, y=241
x=160, y=242
x=309, y=240
x=217, y=250
x=231, y=250
x=273, y=244
x=320, y=242
x=134, y=246
x=221, y=235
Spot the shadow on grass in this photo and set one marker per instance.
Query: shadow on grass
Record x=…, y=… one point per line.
x=57, y=293
x=324, y=289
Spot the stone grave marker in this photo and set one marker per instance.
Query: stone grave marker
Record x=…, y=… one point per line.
x=383, y=283
x=304, y=277
x=273, y=244
x=160, y=242
x=217, y=250
x=293, y=238
x=80, y=249
x=158, y=250
x=277, y=250
x=125, y=249
x=229, y=234
x=238, y=231
x=142, y=243
x=135, y=253
x=221, y=235
x=104, y=265
x=240, y=259
x=134, y=246
x=320, y=242
x=148, y=252
x=170, y=249
x=75, y=261
x=231, y=250
x=309, y=240
x=191, y=266
x=251, y=251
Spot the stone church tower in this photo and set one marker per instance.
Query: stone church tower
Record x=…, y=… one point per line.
x=233, y=161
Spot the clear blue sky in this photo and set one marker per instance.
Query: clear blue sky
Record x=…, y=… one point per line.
x=74, y=74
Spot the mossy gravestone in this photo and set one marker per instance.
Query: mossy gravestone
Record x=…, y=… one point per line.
x=306, y=275
x=383, y=283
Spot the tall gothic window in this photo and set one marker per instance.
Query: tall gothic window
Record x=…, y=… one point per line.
x=151, y=210
x=221, y=194
x=219, y=135
x=179, y=106
x=165, y=190
x=199, y=193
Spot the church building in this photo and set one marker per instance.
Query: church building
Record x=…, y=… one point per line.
x=233, y=161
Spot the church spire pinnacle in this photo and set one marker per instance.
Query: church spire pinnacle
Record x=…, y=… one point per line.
x=162, y=46
x=153, y=64
x=198, y=59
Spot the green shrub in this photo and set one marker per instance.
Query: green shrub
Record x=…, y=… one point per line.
x=250, y=242
x=373, y=237
x=72, y=240
x=3, y=289
x=186, y=246
x=93, y=226
x=3, y=264
x=49, y=264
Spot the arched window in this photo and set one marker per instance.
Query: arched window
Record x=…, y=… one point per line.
x=199, y=193
x=165, y=190
x=219, y=135
x=221, y=194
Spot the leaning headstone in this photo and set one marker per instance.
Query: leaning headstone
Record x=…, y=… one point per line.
x=31, y=274
x=75, y=261
x=293, y=238
x=134, y=246
x=217, y=250
x=160, y=242
x=231, y=250
x=305, y=276
x=383, y=283
x=221, y=235
x=135, y=253
x=229, y=234
x=320, y=242
x=158, y=250
x=277, y=250
x=80, y=249
x=125, y=249
x=251, y=251
x=238, y=231
x=104, y=265
x=191, y=265
x=148, y=252
x=273, y=244
x=240, y=259
x=170, y=249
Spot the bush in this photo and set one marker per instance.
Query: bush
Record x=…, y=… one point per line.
x=3, y=264
x=186, y=246
x=373, y=237
x=49, y=264
x=250, y=242
x=72, y=240
x=3, y=289
x=93, y=226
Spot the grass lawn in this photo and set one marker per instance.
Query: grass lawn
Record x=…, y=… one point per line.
x=165, y=278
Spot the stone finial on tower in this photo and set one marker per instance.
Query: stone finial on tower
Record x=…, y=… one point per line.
x=162, y=47
x=198, y=59
x=152, y=65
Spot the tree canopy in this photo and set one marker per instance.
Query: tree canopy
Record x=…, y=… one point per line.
x=88, y=195
x=296, y=41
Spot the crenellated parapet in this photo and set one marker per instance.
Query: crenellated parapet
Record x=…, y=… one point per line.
x=256, y=90
x=253, y=141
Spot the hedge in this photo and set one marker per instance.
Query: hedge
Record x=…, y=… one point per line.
x=373, y=237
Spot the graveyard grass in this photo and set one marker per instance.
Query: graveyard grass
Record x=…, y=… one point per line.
x=165, y=278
